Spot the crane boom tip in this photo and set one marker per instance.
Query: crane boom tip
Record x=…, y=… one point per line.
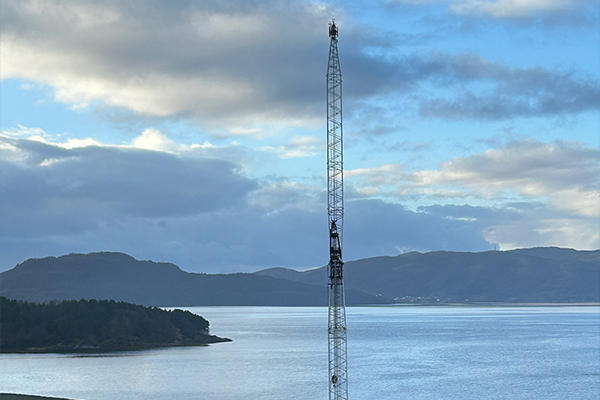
x=333, y=29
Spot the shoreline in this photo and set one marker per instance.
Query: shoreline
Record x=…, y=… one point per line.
x=18, y=396
x=93, y=350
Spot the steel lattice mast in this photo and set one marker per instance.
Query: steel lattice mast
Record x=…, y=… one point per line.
x=338, y=362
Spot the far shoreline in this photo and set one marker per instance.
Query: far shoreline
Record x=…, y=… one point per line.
x=474, y=304
x=486, y=304
x=480, y=305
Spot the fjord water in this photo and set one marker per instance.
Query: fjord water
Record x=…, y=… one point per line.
x=417, y=353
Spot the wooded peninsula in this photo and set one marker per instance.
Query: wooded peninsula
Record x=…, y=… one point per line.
x=93, y=326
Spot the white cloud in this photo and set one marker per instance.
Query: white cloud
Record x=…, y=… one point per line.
x=567, y=173
x=385, y=174
x=74, y=143
x=152, y=139
x=297, y=147
x=302, y=146
x=547, y=230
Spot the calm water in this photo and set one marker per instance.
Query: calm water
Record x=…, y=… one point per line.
x=414, y=353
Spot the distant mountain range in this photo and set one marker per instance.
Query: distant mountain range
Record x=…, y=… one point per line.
x=538, y=275
x=120, y=277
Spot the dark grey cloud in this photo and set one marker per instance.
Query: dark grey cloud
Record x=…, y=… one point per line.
x=53, y=189
x=393, y=229
x=530, y=92
x=465, y=86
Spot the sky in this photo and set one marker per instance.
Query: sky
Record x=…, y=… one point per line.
x=194, y=132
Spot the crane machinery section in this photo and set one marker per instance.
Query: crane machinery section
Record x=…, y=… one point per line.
x=338, y=362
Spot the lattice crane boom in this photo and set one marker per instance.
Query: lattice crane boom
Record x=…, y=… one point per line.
x=338, y=363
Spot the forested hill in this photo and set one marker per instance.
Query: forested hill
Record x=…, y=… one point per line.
x=537, y=275
x=118, y=276
x=96, y=326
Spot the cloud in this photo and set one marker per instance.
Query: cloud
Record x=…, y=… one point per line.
x=393, y=229
x=516, y=92
x=187, y=205
x=241, y=66
x=551, y=11
x=525, y=224
x=387, y=174
x=481, y=89
x=276, y=195
x=537, y=194
x=567, y=173
x=514, y=8
x=49, y=185
x=198, y=59
x=152, y=139
x=464, y=86
x=299, y=147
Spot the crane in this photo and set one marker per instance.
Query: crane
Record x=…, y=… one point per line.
x=338, y=360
